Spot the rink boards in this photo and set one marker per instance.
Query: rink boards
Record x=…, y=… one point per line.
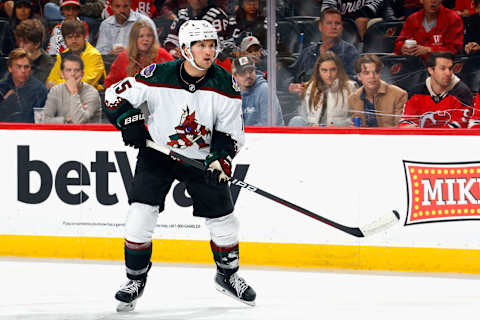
x=64, y=195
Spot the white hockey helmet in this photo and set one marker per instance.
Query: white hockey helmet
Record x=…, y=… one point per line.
x=196, y=30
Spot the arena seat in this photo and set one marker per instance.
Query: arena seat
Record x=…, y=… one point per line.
x=467, y=69
x=350, y=32
x=406, y=72
x=380, y=37
x=288, y=35
x=163, y=28
x=3, y=68
x=107, y=61
x=7, y=39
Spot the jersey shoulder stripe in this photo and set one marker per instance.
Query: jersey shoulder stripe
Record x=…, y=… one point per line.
x=159, y=74
x=222, y=82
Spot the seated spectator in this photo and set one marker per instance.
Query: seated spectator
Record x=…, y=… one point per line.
x=472, y=34
x=70, y=10
x=72, y=101
x=330, y=25
x=443, y=102
x=146, y=7
x=376, y=103
x=464, y=8
x=254, y=90
x=251, y=47
x=142, y=51
x=22, y=10
x=114, y=31
x=435, y=28
x=73, y=31
x=359, y=11
x=30, y=35
x=20, y=92
x=248, y=20
x=325, y=99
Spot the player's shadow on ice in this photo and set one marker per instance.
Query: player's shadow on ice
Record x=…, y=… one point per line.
x=165, y=313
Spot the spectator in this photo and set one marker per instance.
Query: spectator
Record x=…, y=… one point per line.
x=142, y=51
x=444, y=100
x=198, y=10
x=114, y=31
x=376, y=103
x=70, y=10
x=72, y=101
x=330, y=25
x=22, y=10
x=20, y=92
x=248, y=20
x=359, y=11
x=30, y=35
x=73, y=31
x=146, y=7
x=472, y=26
x=254, y=90
x=251, y=46
x=325, y=99
x=434, y=28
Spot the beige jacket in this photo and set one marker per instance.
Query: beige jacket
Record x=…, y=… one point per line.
x=388, y=102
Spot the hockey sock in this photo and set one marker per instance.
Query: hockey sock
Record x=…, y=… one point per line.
x=226, y=258
x=137, y=259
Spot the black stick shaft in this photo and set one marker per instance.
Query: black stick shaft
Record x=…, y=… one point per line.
x=353, y=231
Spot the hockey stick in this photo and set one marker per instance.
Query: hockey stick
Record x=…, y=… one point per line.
x=376, y=226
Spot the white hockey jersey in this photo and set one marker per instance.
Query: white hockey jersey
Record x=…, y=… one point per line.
x=182, y=117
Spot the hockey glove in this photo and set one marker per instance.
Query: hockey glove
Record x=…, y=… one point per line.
x=219, y=167
x=134, y=132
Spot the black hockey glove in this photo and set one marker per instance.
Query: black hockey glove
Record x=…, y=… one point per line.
x=134, y=132
x=219, y=167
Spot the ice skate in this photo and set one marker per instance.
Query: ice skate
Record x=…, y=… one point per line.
x=129, y=293
x=235, y=287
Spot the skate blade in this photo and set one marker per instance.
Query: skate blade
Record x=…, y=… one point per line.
x=126, y=306
x=228, y=293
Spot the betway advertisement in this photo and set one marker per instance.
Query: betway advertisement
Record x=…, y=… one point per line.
x=75, y=183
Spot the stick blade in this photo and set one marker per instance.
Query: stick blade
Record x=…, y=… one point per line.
x=382, y=223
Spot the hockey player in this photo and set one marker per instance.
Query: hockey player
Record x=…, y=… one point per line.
x=195, y=109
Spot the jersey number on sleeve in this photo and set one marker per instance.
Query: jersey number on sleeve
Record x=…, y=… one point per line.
x=122, y=87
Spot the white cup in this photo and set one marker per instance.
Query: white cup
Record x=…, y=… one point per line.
x=409, y=43
x=39, y=115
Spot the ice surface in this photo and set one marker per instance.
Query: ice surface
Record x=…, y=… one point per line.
x=37, y=289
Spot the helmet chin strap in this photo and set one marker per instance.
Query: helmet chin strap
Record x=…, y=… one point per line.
x=192, y=60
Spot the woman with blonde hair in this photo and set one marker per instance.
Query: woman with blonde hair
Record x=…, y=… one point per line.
x=143, y=50
x=325, y=98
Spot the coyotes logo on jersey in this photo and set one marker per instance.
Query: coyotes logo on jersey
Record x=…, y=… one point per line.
x=188, y=132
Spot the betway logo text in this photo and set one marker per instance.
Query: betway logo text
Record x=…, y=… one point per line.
x=98, y=173
x=442, y=191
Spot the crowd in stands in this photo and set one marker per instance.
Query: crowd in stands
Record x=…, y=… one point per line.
x=375, y=63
